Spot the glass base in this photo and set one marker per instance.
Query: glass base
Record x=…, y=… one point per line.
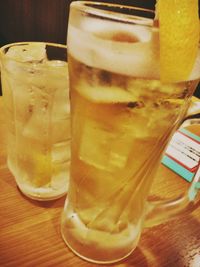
x=97, y=245
x=40, y=193
x=41, y=198
x=93, y=260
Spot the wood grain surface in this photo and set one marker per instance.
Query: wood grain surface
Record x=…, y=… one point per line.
x=30, y=230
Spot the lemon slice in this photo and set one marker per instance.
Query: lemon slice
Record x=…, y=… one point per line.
x=42, y=169
x=179, y=38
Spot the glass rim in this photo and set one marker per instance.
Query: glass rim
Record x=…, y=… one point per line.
x=95, y=9
x=4, y=49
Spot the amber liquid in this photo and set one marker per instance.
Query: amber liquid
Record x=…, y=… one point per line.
x=120, y=127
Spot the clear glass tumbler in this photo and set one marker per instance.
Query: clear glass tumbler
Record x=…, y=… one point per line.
x=35, y=94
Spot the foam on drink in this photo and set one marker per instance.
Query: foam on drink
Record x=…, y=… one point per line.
x=122, y=57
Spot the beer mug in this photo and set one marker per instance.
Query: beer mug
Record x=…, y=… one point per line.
x=122, y=117
x=35, y=94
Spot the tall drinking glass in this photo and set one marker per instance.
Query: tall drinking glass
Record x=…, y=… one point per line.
x=122, y=117
x=35, y=94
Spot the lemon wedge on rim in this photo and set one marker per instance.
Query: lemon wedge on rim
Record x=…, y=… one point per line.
x=179, y=38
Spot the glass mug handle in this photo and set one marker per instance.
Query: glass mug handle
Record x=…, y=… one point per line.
x=161, y=211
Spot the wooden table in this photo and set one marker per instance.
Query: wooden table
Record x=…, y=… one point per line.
x=30, y=230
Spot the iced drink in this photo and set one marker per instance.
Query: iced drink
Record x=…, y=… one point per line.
x=122, y=119
x=35, y=91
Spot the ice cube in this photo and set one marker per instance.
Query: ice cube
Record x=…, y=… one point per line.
x=61, y=105
x=37, y=127
x=60, y=130
x=61, y=152
x=52, y=77
x=60, y=177
x=105, y=94
x=27, y=52
x=56, y=63
x=24, y=101
x=103, y=148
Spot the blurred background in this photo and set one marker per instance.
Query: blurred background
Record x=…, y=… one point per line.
x=41, y=20
x=44, y=20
